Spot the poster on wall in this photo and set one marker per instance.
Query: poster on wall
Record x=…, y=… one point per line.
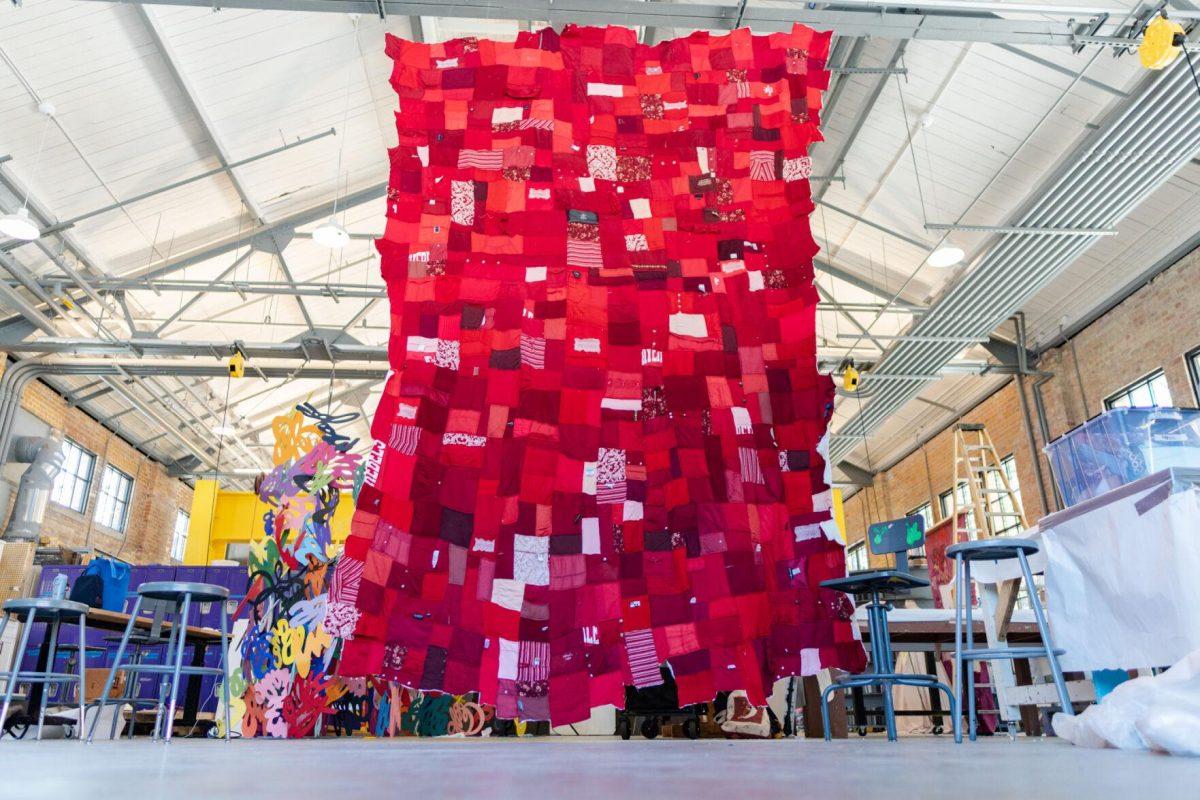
x=599, y=449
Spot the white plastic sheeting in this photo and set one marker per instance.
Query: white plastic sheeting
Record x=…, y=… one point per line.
x=1160, y=712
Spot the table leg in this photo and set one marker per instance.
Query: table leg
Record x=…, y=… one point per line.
x=935, y=697
x=191, y=698
x=1031, y=721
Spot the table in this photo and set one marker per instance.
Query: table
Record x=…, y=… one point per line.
x=103, y=619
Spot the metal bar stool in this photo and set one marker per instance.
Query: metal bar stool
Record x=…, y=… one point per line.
x=52, y=612
x=178, y=599
x=999, y=548
x=142, y=644
x=896, y=537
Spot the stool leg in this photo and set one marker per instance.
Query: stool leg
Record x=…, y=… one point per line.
x=825, y=710
x=82, y=673
x=16, y=670
x=958, y=643
x=164, y=678
x=180, y=623
x=889, y=710
x=225, y=672
x=53, y=634
x=112, y=673
x=970, y=638
x=1044, y=628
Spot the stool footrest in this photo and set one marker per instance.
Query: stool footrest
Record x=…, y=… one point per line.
x=887, y=676
x=168, y=670
x=40, y=677
x=1008, y=652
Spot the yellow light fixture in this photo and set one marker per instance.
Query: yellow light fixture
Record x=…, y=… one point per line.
x=237, y=365
x=1161, y=43
x=850, y=377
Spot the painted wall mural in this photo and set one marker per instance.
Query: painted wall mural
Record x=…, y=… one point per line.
x=285, y=685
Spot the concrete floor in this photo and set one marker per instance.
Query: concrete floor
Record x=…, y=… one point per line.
x=587, y=768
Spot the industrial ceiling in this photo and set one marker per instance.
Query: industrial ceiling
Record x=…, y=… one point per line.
x=194, y=147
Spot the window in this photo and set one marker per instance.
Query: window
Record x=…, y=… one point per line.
x=112, y=506
x=964, y=499
x=1010, y=522
x=179, y=535
x=1149, y=391
x=1193, y=365
x=74, y=480
x=856, y=557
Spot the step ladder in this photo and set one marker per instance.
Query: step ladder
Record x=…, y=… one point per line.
x=990, y=497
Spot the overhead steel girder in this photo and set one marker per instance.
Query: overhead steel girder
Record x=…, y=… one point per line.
x=307, y=349
x=1092, y=188
x=962, y=22
x=856, y=474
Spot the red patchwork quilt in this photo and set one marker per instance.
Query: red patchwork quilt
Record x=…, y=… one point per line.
x=598, y=449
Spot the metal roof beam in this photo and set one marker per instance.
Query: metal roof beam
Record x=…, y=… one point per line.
x=943, y=21
x=330, y=351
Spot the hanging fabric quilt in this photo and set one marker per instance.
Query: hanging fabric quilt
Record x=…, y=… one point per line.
x=598, y=449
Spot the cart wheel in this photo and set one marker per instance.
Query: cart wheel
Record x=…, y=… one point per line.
x=862, y=730
x=691, y=728
x=651, y=727
x=624, y=727
x=937, y=730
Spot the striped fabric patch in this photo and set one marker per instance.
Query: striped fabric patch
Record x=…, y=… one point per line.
x=404, y=439
x=762, y=165
x=751, y=469
x=480, y=159
x=643, y=661
x=533, y=352
x=533, y=662
x=539, y=124
x=584, y=254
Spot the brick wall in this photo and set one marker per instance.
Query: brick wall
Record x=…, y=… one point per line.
x=156, y=498
x=1152, y=329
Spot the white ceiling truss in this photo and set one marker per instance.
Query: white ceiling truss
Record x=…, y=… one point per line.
x=194, y=150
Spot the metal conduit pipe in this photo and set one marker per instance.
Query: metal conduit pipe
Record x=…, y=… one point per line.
x=1095, y=190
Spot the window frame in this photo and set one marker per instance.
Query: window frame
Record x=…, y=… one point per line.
x=178, y=542
x=76, y=478
x=1192, y=359
x=964, y=501
x=124, y=502
x=1146, y=380
x=852, y=552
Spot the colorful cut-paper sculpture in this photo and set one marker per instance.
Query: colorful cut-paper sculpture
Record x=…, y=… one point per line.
x=599, y=447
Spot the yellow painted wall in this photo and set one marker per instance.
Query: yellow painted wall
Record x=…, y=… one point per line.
x=839, y=513
x=221, y=517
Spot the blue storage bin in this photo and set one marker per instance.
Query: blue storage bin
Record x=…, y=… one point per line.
x=1120, y=446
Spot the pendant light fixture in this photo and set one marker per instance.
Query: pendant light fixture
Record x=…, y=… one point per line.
x=330, y=234
x=21, y=225
x=945, y=256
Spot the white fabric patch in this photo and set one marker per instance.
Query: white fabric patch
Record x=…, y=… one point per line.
x=531, y=559
x=502, y=115
x=605, y=89
x=484, y=546
x=806, y=532
x=423, y=155
x=741, y=420
x=702, y=159
x=422, y=344
x=756, y=281
x=810, y=661
x=589, y=477
x=587, y=345
x=651, y=356
x=534, y=274
x=831, y=530
x=447, y=354
x=636, y=242
x=692, y=325
x=621, y=404
x=602, y=161
x=632, y=510
x=462, y=202
x=823, y=501
x=539, y=194
x=406, y=411
x=464, y=439
x=640, y=208
x=507, y=669
x=446, y=63
x=733, y=265
x=587, y=184
x=797, y=169
x=508, y=593
x=675, y=106
x=591, y=535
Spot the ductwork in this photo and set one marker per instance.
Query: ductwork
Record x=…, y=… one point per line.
x=44, y=456
x=1135, y=151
